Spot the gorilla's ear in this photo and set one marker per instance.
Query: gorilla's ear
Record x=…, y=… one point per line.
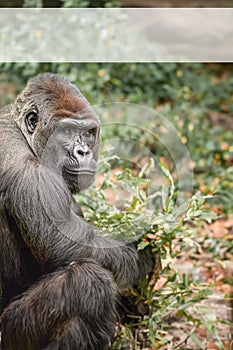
x=31, y=121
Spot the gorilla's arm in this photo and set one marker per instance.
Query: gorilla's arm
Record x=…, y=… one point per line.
x=41, y=204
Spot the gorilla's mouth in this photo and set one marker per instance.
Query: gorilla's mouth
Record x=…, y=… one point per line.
x=80, y=171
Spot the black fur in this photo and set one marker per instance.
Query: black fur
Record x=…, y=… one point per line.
x=65, y=276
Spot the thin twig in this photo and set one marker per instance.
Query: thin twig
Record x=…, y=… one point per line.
x=185, y=339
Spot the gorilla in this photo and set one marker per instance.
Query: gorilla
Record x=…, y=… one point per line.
x=60, y=279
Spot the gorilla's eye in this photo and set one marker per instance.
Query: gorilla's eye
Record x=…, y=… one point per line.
x=31, y=121
x=87, y=133
x=67, y=132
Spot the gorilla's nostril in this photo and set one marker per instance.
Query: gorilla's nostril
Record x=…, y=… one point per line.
x=81, y=152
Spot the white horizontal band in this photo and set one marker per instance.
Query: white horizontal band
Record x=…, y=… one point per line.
x=107, y=35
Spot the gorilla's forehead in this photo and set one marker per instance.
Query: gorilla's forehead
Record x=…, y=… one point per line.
x=70, y=106
x=71, y=102
x=82, y=117
x=73, y=106
x=85, y=123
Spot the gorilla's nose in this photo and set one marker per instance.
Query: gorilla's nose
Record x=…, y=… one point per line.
x=81, y=151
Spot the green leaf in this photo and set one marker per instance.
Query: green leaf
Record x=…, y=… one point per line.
x=196, y=341
x=142, y=245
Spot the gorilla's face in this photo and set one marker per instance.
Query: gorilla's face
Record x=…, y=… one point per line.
x=71, y=150
x=77, y=141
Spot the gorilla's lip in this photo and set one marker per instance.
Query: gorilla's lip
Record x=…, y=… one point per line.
x=82, y=171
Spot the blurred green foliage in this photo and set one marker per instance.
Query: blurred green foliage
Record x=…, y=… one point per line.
x=33, y=3
x=73, y=3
